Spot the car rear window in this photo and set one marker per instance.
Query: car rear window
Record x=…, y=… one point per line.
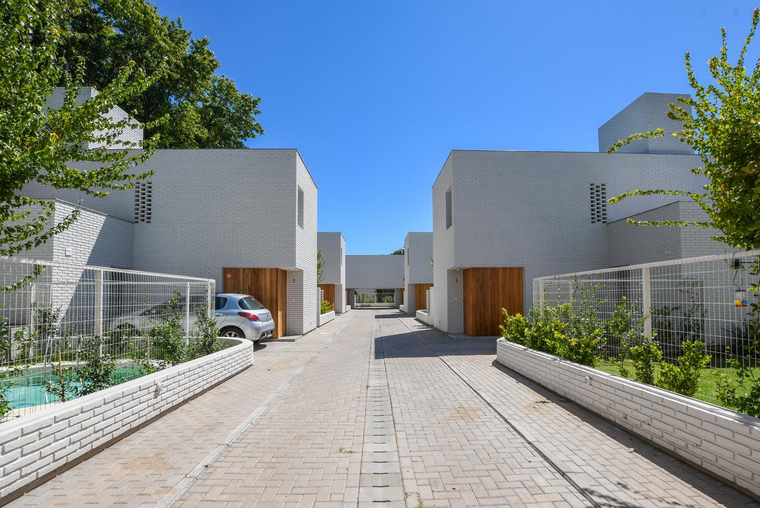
x=249, y=303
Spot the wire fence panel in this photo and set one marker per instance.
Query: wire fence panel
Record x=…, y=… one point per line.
x=704, y=298
x=66, y=331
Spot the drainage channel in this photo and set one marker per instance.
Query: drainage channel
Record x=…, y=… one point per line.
x=380, y=481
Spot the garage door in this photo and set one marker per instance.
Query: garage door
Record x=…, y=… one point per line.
x=486, y=292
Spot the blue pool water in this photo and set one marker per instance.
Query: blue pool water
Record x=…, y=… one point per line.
x=29, y=390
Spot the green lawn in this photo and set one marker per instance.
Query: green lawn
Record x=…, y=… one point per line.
x=708, y=381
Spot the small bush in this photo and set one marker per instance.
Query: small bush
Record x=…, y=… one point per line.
x=742, y=394
x=515, y=328
x=683, y=378
x=325, y=307
x=205, y=339
x=644, y=357
x=98, y=371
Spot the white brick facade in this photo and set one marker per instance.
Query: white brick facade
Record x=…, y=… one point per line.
x=212, y=209
x=534, y=210
x=418, y=253
x=333, y=247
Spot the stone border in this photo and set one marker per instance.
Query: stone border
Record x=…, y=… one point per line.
x=39, y=446
x=722, y=442
x=325, y=318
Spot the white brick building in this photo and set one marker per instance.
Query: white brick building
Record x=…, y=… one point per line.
x=333, y=283
x=418, y=270
x=369, y=273
x=529, y=214
x=246, y=218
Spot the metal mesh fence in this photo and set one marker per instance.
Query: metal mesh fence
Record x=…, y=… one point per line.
x=68, y=330
x=704, y=298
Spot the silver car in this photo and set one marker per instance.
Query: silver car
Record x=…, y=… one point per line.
x=242, y=316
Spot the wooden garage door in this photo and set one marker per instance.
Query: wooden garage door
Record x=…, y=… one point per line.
x=486, y=292
x=420, y=296
x=267, y=285
x=329, y=290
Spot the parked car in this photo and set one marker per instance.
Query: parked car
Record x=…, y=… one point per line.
x=237, y=315
x=243, y=316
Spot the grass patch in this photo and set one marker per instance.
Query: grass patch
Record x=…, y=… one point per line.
x=708, y=379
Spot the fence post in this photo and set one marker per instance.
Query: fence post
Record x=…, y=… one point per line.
x=646, y=299
x=99, y=309
x=209, y=301
x=541, y=295
x=187, y=314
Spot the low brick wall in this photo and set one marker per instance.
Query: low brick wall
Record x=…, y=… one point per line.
x=721, y=441
x=36, y=447
x=424, y=316
x=325, y=318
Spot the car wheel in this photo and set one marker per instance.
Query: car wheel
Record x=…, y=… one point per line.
x=232, y=332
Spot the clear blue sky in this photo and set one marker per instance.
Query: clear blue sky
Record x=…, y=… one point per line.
x=375, y=94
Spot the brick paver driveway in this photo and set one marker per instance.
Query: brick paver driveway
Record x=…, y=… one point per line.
x=375, y=409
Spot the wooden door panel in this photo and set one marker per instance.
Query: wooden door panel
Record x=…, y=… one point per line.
x=329, y=290
x=420, y=296
x=486, y=292
x=267, y=285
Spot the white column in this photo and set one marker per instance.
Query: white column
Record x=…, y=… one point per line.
x=187, y=314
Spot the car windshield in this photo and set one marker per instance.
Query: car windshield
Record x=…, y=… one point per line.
x=249, y=303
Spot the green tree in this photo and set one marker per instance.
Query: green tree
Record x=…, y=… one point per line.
x=320, y=266
x=207, y=110
x=722, y=128
x=39, y=145
x=398, y=252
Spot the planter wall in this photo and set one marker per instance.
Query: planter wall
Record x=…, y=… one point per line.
x=424, y=316
x=38, y=446
x=325, y=318
x=723, y=442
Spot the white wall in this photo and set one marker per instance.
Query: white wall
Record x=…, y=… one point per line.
x=648, y=112
x=223, y=208
x=375, y=272
x=418, y=250
x=532, y=210
x=333, y=247
x=131, y=136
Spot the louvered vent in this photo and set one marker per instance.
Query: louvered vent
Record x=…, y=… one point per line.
x=598, y=203
x=143, y=201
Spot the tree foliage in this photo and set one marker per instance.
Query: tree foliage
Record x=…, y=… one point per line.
x=207, y=111
x=723, y=128
x=39, y=145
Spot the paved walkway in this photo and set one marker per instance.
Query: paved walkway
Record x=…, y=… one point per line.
x=375, y=409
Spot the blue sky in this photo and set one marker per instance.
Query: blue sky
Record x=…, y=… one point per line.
x=375, y=94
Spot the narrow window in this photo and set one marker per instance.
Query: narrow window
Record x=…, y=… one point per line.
x=449, y=218
x=598, y=199
x=408, y=254
x=300, y=207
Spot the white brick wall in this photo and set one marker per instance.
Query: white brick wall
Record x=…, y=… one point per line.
x=648, y=112
x=333, y=247
x=722, y=442
x=40, y=445
x=418, y=249
x=628, y=244
x=375, y=272
x=222, y=208
x=532, y=210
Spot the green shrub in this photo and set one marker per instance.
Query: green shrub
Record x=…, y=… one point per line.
x=325, y=307
x=515, y=328
x=742, y=394
x=98, y=371
x=205, y=339
x=644, y=357
x=167, y=339
x=683, y=377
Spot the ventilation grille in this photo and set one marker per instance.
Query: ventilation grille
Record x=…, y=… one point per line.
x=598, y=203
x=143, y=201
